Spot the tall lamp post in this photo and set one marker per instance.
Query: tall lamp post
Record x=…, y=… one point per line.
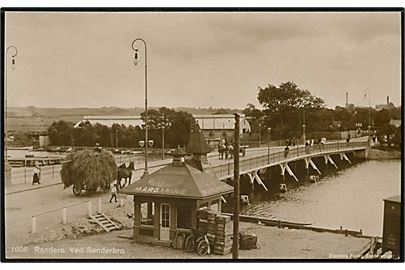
x=369, y=113
x=145, y=172
x=304, y=135
x=340, y=135
x=9, y=48
x=268, y=145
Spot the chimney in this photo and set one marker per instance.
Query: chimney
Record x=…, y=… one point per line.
x=347, y=100
x=388, y=101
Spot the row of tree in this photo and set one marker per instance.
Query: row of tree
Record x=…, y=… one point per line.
x=174, y=126
x=286, y=108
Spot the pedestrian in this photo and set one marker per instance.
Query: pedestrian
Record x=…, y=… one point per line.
x=35, y=178
x=286, y=150
x=113, y=193
x=97, y=147
x=307, y=147
x=348, y=138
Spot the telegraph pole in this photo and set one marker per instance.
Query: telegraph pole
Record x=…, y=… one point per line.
x=236, y=195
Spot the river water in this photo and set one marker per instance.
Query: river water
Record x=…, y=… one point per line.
x=352, y=198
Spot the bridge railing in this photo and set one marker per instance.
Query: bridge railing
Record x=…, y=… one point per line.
x=249, y=164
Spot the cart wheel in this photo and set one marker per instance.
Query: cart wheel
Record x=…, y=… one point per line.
x=77, y=190
x=189, y=243
x=203, y=248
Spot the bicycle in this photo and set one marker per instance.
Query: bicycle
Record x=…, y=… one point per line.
x=197, y=242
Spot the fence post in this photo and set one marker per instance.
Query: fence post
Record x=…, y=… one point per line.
x=33, y=224
x=89, y=209
x=99, y=205
x=64, y=215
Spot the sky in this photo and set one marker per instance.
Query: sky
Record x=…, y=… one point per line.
x=217, y=59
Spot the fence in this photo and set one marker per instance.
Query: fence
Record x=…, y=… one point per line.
x=18, y=229
x=223, y=171
x=51, y=174
x=24, y=175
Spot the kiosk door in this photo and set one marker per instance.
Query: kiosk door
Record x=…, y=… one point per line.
x=164, y=221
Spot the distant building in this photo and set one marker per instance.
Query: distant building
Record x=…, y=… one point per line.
x=212, y=125
x=380, y=107
x=110, y=120
x=221, y=125
x=43, y=140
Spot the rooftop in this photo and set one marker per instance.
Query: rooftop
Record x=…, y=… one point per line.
x=179, y=182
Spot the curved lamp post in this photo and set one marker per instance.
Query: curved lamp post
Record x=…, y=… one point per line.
x=145, y=172
x=9, y=49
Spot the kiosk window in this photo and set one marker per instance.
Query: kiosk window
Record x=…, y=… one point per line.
x=183, y=216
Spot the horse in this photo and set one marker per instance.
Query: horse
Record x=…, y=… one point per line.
x=126, y=173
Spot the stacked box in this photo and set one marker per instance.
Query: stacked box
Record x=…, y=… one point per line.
x=223, y=235
x=202, y=221
x=211, y=227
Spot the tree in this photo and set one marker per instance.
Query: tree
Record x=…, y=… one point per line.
x=285, y=108
x=61, y=133
x=177, y=126
x=287, y=97
x=382, y=117
x=252, y=112
x=85, y=135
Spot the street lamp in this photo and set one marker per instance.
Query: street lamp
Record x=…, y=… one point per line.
x=369, y=113
x=340, y=135
x=142, y=144
x=268, y=145
x=304, y=135
x=9, y=48
x=163, y=142
x=145, y=172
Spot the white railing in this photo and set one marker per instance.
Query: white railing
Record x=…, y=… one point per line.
x=51, y=174
x=224, y=171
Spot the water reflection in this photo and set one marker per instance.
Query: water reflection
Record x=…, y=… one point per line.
x=352, y=198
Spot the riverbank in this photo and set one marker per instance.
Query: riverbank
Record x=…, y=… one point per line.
x=376, y=154
x=274, y=243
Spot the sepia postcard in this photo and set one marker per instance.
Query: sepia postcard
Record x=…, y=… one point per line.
x=216, y=134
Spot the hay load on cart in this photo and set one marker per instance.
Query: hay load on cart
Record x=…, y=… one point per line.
x=89, y=170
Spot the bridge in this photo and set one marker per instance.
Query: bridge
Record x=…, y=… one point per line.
x=255, y=160
x=329, y=152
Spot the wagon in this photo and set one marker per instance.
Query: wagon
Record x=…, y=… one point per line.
x=77, y=189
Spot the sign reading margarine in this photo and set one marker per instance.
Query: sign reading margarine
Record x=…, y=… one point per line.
x=172, y=191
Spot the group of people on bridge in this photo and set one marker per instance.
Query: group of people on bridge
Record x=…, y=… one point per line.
x=225, y=149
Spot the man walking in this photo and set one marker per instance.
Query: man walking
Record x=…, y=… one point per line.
x=113, y=193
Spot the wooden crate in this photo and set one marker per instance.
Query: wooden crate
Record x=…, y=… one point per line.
x=222, y=219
